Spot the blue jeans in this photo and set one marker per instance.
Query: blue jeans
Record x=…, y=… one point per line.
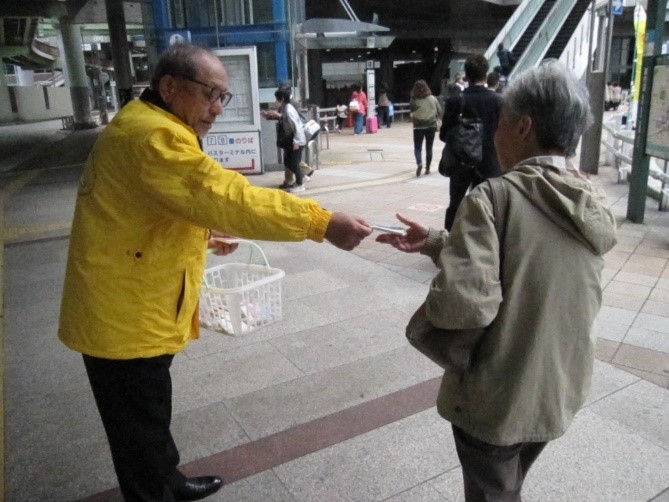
x=418, y=136
x=359, y=123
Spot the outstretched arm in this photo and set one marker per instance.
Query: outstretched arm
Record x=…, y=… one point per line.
x=414, y=239
x=346, y=231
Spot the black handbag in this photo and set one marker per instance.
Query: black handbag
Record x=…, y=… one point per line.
x=452, y=349
x=284, y=136
x=464, y=144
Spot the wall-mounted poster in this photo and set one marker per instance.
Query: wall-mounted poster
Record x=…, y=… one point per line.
x=657, y=137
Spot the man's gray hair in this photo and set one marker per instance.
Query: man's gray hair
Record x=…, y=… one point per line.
x=557, y=102
x=179, y=60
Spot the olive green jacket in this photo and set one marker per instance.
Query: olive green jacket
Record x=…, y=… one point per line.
x=425, y=112
x=531, y=371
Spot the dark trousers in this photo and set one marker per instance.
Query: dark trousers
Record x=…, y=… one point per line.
x=494, y=473
x=134, y=398
x=291, y=161
x=384, y=116
x=418, y=136
x=459, y=184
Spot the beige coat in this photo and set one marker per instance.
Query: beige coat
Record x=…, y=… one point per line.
x=531, y=371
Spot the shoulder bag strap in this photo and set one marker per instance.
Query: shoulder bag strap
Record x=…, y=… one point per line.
x=499, y=198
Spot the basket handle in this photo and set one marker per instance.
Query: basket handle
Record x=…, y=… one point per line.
x=229, y=240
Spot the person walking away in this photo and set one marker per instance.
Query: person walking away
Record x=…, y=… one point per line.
x=147, y=200
x=616, y=95
x=506, y=60
x=425, y=114
x=532, y=296
x=476, y=102
x=358, y=107
x=383, y=106
x=307, y=170
x=290, y=138
x=608, y=104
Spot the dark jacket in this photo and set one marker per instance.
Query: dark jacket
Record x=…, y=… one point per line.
x=479, y=102
x=506, y=58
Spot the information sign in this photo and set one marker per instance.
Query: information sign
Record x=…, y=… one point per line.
x=617, y=7
x=239, y=151
x=234, y=139
x=657, y=138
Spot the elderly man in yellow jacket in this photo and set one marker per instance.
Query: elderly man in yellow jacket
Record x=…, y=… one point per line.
x=147, y=201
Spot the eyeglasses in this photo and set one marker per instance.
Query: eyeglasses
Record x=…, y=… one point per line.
x=214, y=92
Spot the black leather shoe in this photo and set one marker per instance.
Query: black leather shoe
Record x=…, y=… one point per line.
x=197, y=488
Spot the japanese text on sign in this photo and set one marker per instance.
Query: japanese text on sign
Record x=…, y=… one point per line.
x=239, y=151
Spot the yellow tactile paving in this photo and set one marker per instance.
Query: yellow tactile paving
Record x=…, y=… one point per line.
x=18, y=233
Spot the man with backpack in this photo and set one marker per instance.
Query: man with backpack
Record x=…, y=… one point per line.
x=476, y=102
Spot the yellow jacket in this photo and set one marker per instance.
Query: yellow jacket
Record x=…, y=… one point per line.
x=137, y=252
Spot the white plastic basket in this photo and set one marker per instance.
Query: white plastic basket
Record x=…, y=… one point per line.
x=238, y=298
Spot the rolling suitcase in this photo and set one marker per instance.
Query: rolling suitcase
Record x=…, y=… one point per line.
x=372, y=125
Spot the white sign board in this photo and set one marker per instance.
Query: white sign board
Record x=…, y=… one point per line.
x=234, y=139
x=239, y=151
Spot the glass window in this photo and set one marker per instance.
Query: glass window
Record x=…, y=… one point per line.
x=266, y=65
x=262, y=11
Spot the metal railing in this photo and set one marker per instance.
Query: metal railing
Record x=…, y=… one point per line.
x=619, y=144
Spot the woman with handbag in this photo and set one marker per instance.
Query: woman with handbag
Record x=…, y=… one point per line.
x=510, y=314
x=358, y=107
x=290, y=138
x=425, y=114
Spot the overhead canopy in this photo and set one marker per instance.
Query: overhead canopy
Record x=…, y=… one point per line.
x=330, y=33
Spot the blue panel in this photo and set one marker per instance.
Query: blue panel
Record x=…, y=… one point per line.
x=161, y=22
x=281, y=47
x=277, y=33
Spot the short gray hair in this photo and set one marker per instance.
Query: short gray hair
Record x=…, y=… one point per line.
x=557, y=102
x=179, y=60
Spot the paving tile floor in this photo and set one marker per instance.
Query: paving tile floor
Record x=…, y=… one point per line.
x=330, y=403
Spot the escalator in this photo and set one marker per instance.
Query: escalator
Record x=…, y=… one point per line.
x=532, y=28
x=564, y=35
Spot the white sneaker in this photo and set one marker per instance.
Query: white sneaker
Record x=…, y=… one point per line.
x=306, y=178
x=296, y=188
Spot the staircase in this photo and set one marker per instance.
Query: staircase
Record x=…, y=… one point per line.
x=532, y=28
x=564, y=35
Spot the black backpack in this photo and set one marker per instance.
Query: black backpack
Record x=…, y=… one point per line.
x=464, y=146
